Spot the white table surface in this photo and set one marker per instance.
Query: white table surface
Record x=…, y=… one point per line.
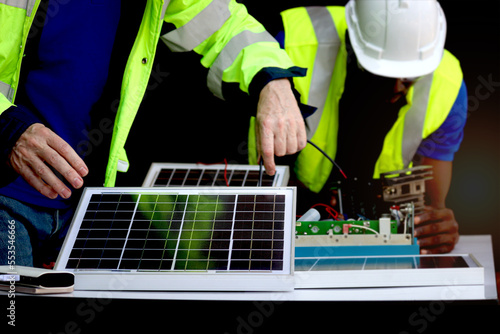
x=480, y=246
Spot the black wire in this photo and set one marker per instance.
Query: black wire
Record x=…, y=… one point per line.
x=260, y=173
x=328, y=157
x=259, y=184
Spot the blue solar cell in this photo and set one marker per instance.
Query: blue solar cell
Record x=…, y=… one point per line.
x=180, y=232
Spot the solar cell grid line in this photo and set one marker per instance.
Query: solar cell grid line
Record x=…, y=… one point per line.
x=189, y=237
x=174, y=212
x=178, y=177
x=196, y=238
x=209, y=252
x=172, y=267
x=128, y=231
x=140, y=235
x=96, y=235
x=152, y=242
x=193, y=177
x=221, y=231
x=238, y=178
x=167, y=224
x=222, y=221
x=210, y=177
x=252, y=235
x=254, y=244
x=253, y=179
x=163, y=178
x=220, y=177
x=231, y=239
x=183, y=239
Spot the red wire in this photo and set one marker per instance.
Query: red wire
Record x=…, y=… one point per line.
x=331, y=211
x=342, y=172
x=219, y=163
x=225, y=172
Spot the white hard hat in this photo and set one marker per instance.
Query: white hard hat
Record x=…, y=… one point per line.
x=397, y=38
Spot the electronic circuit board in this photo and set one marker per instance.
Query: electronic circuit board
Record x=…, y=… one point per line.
x=384, y=236
x=342, y=227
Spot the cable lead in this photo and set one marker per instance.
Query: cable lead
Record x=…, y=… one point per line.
x=328, y=157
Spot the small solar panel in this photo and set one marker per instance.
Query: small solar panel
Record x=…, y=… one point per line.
x=182, y=239
x=387, y=271
x=199, y=175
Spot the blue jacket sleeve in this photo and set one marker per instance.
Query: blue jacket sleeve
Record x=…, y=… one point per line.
x=445, y=141
x=268, y=74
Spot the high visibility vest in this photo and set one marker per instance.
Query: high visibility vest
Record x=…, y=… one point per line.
x=232, y=44
x=315, y=39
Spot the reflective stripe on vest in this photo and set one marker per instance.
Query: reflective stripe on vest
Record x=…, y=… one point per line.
x=415, y=119
x=7, y=91
x=303, y=45
x=23, y=4
x=430, y=100
x=201, y=27
x=17, y=22
x=326, y=54
x=164, y=9
x=228, y=55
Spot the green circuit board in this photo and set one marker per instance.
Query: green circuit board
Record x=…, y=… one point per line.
x=337, y=227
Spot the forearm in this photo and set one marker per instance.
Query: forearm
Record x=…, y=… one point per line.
x=437, y=188
x=437, y=228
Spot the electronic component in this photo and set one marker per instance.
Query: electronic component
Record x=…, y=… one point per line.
x=358, y=232
x=406, y=185
x=392, y=234
x=311, y=215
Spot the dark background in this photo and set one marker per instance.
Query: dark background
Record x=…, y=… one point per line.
x=180, y=120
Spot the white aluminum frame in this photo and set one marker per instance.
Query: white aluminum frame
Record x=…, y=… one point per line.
x=390, y=277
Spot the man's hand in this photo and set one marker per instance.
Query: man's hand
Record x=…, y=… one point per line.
x=436, y=230
x=39, y=147
x=280, y=127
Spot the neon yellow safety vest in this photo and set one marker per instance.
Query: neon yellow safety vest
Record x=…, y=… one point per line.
x=232, y=44
x=315, y=39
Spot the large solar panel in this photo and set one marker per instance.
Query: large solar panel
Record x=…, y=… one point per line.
x=182, y=239
x=387, y=271
x=200, y=175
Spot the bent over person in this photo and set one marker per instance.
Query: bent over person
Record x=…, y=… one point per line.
x=388, y=95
